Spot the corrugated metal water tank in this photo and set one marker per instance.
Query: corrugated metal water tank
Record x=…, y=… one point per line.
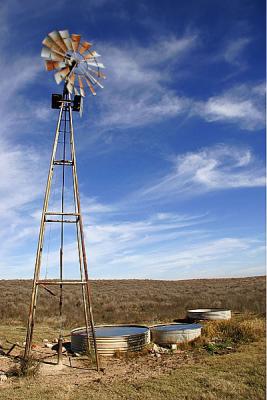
x=112, y=338
x=174, y=333
x=209, y=314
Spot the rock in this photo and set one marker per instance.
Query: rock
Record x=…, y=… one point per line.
x=157, y=355
x=24, y=344
x=48, y=345
x=3, y=377
x=45, y=341
x=174, y=346
x=155, y=348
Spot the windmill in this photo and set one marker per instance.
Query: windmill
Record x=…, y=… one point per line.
x=75, y=65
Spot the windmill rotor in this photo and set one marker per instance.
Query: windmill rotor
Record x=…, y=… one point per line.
x=72, y=61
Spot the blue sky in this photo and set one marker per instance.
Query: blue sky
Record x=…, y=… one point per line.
x=171, y=153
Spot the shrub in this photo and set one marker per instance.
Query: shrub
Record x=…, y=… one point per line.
x=235, y=331
x=25, y=368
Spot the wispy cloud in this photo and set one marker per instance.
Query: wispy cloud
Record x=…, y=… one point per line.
x=166, y=249
x=20, y=177
x=243, y=105
x=138, y=82
x=215, y=168
x=233, y=51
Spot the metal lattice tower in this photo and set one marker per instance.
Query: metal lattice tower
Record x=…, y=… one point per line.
x=65, y=131
x=71, y=58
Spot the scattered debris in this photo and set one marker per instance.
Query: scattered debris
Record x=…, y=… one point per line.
x=12, y=348
x=157, y=350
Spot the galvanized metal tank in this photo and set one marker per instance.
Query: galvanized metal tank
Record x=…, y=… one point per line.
x=209, y=314
x=174, y=333
x=112, y=338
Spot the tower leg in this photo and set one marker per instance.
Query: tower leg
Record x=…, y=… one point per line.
x=31, y=318
x=82, y=247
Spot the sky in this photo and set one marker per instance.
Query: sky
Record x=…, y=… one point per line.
x=171, y=153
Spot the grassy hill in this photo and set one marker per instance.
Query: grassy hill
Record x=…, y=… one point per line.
x=135, y=301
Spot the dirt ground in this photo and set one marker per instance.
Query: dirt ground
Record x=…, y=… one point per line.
x=186, y=375
x=127, y=368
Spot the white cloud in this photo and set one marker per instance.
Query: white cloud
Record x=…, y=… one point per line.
x=215, y=168
x=233, y=51
x=20, y=176
x=136, y=91
x=139, y=89
x=243, y=105
x=166, y=249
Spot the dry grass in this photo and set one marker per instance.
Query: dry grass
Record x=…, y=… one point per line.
x=238, y=330
x=134, y=301
x=25, y=368
x=236, y=369
x=236, y=375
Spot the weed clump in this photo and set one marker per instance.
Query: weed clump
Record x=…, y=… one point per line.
x=235, y=331
x=25, y=368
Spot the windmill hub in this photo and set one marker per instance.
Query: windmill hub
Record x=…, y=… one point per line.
x=72, y=58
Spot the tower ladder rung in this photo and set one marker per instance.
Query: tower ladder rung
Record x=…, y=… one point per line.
x=58, y=282
x=65, y=221
x=62, y=213
x=63, y=162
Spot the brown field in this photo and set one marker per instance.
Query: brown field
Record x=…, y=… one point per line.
x=227, y=362
x=135, y=301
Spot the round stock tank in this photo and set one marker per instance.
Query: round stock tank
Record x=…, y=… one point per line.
x=112, y=338
x=209, y=314
x=174, y=333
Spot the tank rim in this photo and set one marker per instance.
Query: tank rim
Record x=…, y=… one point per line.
x=196, y=325
x=207, y=309
x=76, y=331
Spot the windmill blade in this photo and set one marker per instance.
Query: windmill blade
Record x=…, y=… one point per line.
x=91, y=54
x=62, y=74
x=90, y=86
x=51, y=55
x=95, y=81
x=55, y=36
x=65, y=36
x=84, y=46
x=75, y=41
x=98, y=73
x=81, y=86
x=70, y=84
x=76, y=92
x=48, y=42
x=95, y=64
x=51, y=65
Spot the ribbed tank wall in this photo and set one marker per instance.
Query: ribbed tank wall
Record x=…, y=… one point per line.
x=209, y=314
x=175, y=333
x=109, y=345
